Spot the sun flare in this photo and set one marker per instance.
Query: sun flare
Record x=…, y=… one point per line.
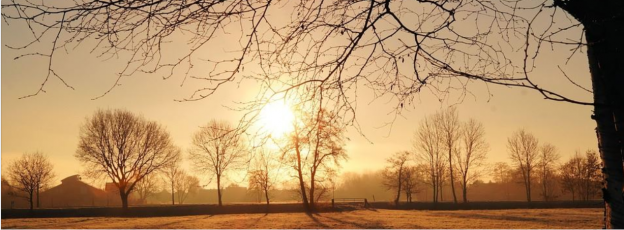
x=277, y=118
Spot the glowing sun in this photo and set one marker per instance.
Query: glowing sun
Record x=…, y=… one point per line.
x=277, y=118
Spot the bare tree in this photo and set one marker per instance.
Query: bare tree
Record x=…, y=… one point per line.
x=428, y=146
x=450, y=130
x=29, y=174
x=314, y=148
x=469, y=160
x=124, y=148
x=147, y=187
x=394, y=175
x=591, y=175
x=547, y=159
x=412, y=179
x=326, y=145
x=292, y=154
x=217, y=148
x=171, y=174
x=502, y=173
x=523, y=151
x=397, y=48
x=186, y=185
x=262, y=178
x=571, y=175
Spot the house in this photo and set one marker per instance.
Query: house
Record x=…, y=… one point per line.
x=73, y=192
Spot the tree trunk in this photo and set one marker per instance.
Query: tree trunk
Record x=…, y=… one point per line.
x=440, y=190
x=606, y=63
x=38, y=205
x=604, y=32
x=312, y=173
x=529, y=192
x=172, y=194
x=452, y=180
x=31, y=201
x=219, y=189
x=301, y=183
x=528, y=188
x=398, y=196
x=124, y=199
x=266, y=196
x=435, y=187
x=465, y=192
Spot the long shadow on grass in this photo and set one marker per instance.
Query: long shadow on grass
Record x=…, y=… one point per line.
x=174, y=224
x=316, y=220
x=496, y=217
x=255, y=223
x=358, y=222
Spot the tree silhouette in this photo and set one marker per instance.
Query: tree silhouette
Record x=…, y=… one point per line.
x=394, y=48
x=124, y=148
x=571, y=175
x=186, y=185
x=502, y=173
x=314, y=149
x=147, y=187
x=547, y=159
x=171, y=174
x=217, y=148
x=470, y=158
x=428, y=145
x=394, y=173
x=523, y=151
x=29, y=174
x=262, y=178
x=449, y=126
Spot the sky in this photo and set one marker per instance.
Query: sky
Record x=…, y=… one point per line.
x=50, y=122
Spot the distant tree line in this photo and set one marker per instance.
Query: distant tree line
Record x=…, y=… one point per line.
x=449, y=151
x=140, y=159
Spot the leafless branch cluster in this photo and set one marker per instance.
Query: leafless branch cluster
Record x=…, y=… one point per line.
x=216, y=149
x=124, y=148
x=393, y=48
x=30, y=174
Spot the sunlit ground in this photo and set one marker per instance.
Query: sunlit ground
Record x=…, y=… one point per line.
x=516, y=218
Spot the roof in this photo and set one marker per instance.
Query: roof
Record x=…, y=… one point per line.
x=71, y=178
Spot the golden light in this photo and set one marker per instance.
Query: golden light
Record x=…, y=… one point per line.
x=277, y=118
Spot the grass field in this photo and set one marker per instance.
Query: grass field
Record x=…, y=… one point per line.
x=381, y=218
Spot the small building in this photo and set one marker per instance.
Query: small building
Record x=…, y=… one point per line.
x=73, y=192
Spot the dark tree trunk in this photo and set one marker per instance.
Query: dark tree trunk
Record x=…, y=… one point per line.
x=304, y=198
x=451, y=177
x=124, y=200
x=465, y=192
x=604, y=32
x=266, y=196
x=605, y=51
x=312, y=187
x=219, y=189
x=398, y=196
x=440, y=190
x=31, y=201
x=172, y=194
x=529, y=189
x=38, y=204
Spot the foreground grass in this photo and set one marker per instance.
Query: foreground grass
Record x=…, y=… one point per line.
x=381, y=218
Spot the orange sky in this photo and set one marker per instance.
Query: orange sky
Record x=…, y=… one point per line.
x=50, y=122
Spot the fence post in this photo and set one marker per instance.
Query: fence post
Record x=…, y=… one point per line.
x=365, y=203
